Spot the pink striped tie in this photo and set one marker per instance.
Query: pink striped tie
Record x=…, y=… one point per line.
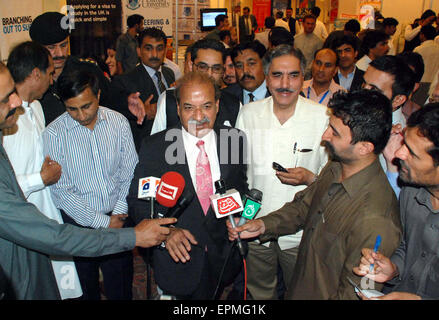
x=203, y=177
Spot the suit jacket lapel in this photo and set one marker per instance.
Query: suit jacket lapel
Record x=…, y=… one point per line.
x=147, y=81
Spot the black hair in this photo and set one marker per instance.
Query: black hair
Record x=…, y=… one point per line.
x=426, y=120
x=372, y=38
x=390, y=22
x=427, y=13
x=352, y=26
x=254, y=45
x=309, y=16
x=269, y=22
x=25, y=57
x=134, y=19
x=72, y=83
x=154, y=33
x=367, y=113
x=345, y=39
x=280, y=35
x=279, y=14
x=429, y=32
x=315, y=11
x=414, y=60
x=404, y=77
x=220, y=18
x=208, y=44
x=223, y=34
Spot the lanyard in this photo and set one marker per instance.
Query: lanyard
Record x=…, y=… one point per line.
x=323, y=98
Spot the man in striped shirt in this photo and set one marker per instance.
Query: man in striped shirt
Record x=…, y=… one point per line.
x=95, y=149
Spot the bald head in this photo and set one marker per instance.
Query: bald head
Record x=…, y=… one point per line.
x=324, y=66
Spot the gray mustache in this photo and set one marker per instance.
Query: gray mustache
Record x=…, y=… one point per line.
x=281, y=90
x=198, y=123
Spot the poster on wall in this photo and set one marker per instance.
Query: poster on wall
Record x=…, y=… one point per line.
x=333, y=11
x=96, y=26
x=16, y=18
x=157, y=13
x=367, y=17
x=304, y=8
x=188, y=17
x=377, y=4
x=261, y=10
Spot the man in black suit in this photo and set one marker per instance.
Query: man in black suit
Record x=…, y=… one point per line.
x=197, y=248
x=247, y=58
x=291, y=21
x=247, y=26
x=207, y=56
x=136, y=93
x=348, y=75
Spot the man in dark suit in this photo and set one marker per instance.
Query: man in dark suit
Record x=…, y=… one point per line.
x=247, y=26
x=207, y=56
x=139, y=89
x=247, y=58
x=348, y=75
x=291, y=21
x=197, y=248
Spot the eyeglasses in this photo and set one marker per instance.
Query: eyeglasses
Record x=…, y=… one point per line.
x=205, y=68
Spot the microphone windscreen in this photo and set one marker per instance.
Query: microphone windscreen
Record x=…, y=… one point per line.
x=255, y=194
x=170, y=189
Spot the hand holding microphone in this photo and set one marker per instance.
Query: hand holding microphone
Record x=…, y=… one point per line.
x=252, y=206
x=226, y=203
x=171, y=193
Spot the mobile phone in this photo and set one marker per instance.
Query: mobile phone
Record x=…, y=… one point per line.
x=278, y=167
x=368, y=293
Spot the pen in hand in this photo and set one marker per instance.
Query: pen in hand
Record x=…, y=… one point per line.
x=375, y=249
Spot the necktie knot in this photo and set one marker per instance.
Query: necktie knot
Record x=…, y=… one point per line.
x=200, y=144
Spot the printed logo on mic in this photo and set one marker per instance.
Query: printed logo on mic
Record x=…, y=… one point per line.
x=167, y=191
x=227, y=205
x=148, y=187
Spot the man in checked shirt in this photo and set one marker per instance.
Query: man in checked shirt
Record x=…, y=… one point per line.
x=95, y=148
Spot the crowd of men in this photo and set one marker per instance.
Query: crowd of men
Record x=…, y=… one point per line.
x=356, y=160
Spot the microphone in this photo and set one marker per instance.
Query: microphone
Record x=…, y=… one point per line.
x=226, y=203
x=182, y=203
x=147, y=190
x=148, y=187
x=252, y=206
x=170, y=189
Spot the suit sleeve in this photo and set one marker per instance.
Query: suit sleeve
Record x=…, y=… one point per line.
x=22, y=224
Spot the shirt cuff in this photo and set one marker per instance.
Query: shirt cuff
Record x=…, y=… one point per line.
x=100, y=221
x=30, y=183
x=121, y=207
